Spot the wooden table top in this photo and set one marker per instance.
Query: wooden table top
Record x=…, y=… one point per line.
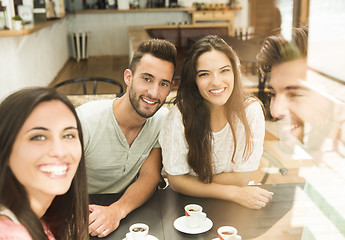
x=166, y=205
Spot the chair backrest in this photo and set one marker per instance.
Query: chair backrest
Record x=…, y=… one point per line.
x=80, y=99
x=95, y=80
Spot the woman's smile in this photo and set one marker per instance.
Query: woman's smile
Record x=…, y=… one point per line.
x=218, y=91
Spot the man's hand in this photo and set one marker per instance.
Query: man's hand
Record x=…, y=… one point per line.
x=104, y=220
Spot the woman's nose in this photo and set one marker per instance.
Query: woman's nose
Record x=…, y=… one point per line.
x=57, y=149
x=215, y=79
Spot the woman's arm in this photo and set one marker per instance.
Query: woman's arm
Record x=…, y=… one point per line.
x=247, y=196
x=240, y=179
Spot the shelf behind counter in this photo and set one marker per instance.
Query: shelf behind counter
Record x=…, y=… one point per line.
x=138, y=10
x=29, y=28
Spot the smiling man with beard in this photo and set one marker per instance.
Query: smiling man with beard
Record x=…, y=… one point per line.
x=306, y=116
x=121, y=136
x=284, y=64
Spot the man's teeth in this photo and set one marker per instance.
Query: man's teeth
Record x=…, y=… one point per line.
x=217, y=91
x=290, y=128
x=52, y=169
x=148, y=101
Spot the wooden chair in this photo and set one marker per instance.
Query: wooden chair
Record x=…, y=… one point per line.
x=95, y=80
x=78, y=99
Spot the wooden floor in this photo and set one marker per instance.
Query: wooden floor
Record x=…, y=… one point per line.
x=113, y=67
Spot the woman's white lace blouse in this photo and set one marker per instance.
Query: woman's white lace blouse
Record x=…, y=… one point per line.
x=175, y=148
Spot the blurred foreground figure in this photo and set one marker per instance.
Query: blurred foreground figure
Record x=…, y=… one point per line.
x=305, y=115
x=43, y=191
x=310, y=127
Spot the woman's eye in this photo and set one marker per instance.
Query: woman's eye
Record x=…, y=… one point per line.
x=38, y=138
x=225, y=70
x=202, y=74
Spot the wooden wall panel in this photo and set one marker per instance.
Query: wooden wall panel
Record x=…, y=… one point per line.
x=264, y=16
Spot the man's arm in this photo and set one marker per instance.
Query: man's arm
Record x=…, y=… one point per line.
x=104, y=220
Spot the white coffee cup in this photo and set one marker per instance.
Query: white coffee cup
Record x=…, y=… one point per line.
x=228, y=233
x=138, y=231
x=194, y=215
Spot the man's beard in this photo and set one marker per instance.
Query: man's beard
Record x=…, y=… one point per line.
x=135, y=104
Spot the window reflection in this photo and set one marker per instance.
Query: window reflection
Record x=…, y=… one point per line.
x=307, y=108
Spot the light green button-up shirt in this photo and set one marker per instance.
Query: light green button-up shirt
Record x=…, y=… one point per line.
x=110, y=162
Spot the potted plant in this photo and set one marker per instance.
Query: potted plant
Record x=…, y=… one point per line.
x=17, y=22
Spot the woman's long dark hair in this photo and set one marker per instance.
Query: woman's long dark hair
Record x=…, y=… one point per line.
x=67, y=216
x=196, y=113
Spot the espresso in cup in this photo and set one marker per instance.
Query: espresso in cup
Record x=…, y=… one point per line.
x=138, y=231
x=193, y=209
x=228, y=233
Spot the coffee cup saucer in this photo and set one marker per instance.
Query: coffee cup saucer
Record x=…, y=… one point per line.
x=180, y=225
x=148, y=237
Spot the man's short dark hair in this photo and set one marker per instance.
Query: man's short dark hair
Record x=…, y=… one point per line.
x=158, y=48
x=276, y=49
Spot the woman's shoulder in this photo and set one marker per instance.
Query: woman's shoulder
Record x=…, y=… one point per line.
x=254, y=110
x=12, y=230
x=173, y=124
x=175, y=110
x=174, y=113
x=253, y=104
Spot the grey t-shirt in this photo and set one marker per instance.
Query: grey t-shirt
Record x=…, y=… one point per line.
x=110, y=162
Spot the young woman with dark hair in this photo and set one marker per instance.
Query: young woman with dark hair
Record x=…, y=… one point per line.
x=43, y=188
x=212, y=139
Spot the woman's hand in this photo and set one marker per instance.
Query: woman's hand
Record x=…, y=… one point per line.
x=252, y=197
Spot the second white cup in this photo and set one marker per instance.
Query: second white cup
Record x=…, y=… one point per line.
x=194, y=215
x=228, y=233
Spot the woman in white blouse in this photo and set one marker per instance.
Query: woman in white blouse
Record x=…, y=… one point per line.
x=212, y=139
